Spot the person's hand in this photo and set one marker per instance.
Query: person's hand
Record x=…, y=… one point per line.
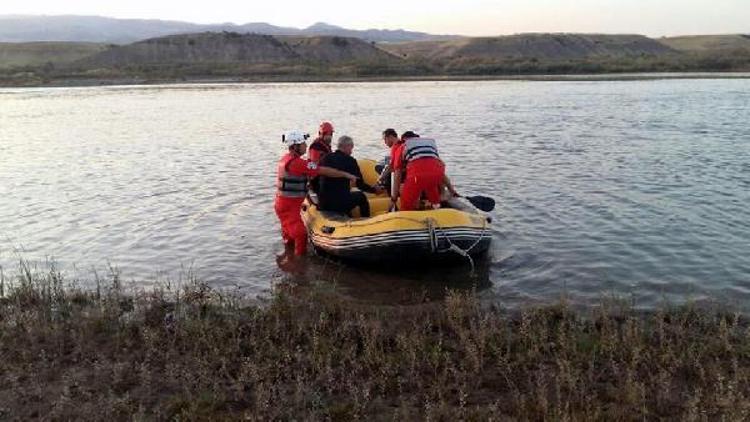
x=379, y=189
x=455, y=194
x=393, y=206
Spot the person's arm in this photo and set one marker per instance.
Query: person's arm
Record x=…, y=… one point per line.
x=395, y=184
x=364, y=187
x=449, y=185
x=332, y=172
x=397, y=171
x=313, y=154
x=361, y=185
x=385, y=173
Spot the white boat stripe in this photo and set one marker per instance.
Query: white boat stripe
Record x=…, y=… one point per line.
x=440, y=232
x=355, y=242
x=404, y=234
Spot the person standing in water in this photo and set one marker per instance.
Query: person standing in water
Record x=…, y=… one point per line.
x=292, y=174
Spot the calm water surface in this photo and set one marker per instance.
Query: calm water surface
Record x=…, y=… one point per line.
x=638, y=188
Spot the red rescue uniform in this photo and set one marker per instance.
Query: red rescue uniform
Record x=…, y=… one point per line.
x=423, y=175
x=318, y=150
x=397, y=151
x=424, y=172
x=293, y=172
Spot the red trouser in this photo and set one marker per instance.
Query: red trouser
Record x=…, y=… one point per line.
x=423, y=175
x=292, y=228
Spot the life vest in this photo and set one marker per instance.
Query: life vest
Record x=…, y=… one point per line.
x=290, y=185
x=417, y=148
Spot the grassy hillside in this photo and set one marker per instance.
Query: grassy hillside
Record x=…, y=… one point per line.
x=708, y=43
x=539, y=46
x=41, y=53
x=554, y=54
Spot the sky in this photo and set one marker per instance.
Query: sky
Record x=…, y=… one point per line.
x=465, y=17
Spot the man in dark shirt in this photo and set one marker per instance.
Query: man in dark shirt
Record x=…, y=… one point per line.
x=335, y=194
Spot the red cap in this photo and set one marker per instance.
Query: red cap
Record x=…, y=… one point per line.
x=326, y=129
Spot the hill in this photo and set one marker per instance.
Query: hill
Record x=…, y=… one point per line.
x=532, y=46
x=231, y=56
x=43, y=53
x=229, y=48
x=708, y=43
x=195, y=48
x=124, y=31
x=335, y=49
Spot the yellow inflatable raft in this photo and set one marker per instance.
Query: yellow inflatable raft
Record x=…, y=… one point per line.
x=456, y=231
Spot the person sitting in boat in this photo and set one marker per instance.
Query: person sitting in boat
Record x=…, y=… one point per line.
x=390, y=138
x=335, y=193
x=318, y=150
x=321, y=146
x=293, y=172
x=425, y=172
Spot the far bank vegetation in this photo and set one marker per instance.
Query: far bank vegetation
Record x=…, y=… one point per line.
x=234, y=56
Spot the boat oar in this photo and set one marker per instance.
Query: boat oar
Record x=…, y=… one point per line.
x=484, y=203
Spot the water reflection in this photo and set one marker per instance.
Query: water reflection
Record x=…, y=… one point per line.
x=387, y=284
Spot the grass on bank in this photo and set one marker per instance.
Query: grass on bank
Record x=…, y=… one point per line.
x=195, y=353
x=51, y=74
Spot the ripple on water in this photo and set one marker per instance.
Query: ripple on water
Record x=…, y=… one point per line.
x=608, y=187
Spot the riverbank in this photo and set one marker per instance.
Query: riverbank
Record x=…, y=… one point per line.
x=194, y=353
x=606, y=77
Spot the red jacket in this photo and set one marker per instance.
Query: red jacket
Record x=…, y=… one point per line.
x=397, y=152
x=318, y=150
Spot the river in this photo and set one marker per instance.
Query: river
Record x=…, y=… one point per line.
x=639, y=189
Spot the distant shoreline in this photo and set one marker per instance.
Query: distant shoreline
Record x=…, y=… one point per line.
x=600, y=77
x=233, y=57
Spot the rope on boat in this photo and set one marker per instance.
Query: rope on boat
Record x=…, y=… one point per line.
x=433, y=227
x=433, y=234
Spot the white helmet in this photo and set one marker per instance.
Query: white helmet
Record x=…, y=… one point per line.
x=294, y=137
